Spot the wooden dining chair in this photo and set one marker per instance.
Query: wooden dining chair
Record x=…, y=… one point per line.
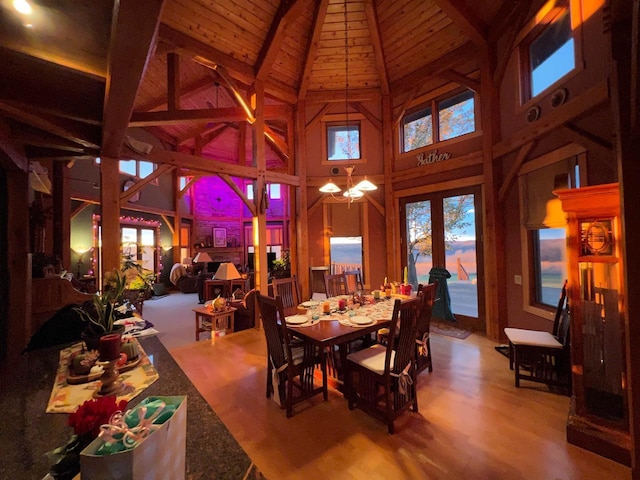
x=381, y=380
x=427, y=295
x=354, y=281
x=290, y=365
x=540, y=356
x=288, y=290
x=335, y=285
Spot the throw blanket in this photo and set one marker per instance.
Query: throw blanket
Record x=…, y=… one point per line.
x=177, y=271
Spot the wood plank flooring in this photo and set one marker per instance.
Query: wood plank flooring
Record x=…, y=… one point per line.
x=472, y=422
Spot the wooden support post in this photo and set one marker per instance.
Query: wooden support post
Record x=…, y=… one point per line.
x=301, y=242
x=110, y=213
x=392, y=220
x=62, y=214
x=177, y=217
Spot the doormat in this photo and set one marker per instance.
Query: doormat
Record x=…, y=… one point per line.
x=449, y=330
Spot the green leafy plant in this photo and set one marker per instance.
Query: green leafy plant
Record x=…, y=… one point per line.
x=100, y=312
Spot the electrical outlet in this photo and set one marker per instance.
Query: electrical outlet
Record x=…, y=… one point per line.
x=517, y=279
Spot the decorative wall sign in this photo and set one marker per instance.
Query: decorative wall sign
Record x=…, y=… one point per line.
x=432, y=157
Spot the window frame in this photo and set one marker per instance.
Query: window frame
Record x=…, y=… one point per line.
x=432, y=104
x=532, y=32
x=137, y=176
x=527, y=243
x=332, y=120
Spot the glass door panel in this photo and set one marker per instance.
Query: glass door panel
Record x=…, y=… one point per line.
x=419, y=241
x=460, y=253
x=148, y=249
x=129, y=242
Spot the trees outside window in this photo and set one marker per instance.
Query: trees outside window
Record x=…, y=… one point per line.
x=455, y=117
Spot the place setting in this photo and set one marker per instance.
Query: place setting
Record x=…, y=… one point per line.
x=301, y=321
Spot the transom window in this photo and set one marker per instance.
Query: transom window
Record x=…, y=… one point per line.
x=548, y=51
x=455, y=117
x=343, y=141
x=136, y=168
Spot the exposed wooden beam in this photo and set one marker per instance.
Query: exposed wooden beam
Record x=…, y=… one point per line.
x=234, y=186
x=465, y=19
x=11, y=149
x=287, y=13
x=76, y=211
x=508, y=182
x=312, y=48
x=173, y=81
x=376, y=40
x=333, y=96
x=202, y=131
x=591, y=138
x=515, y=19
x=127, y=63
x=211, y=58
x=376, y=204
x=139, y=185
x=446, y=62
x=207, y=165
x=168, y=223
x=188, y=91
x=277, y=143
x=211, y=136
x=80, y=133
x=400, y=113
x=377, y=123
x=181, y=117
x=39, y=138
x=460, y=79
x=189, y=184
x=581, y=105
x=317, y=117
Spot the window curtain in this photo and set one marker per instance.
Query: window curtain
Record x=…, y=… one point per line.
x=542, y=209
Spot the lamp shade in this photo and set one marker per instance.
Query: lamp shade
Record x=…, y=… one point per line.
x=366, y=186
x=330, y=188
x=203, y=257
x=227, y=271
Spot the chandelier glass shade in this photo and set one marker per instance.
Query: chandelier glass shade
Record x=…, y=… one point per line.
x=352, y=192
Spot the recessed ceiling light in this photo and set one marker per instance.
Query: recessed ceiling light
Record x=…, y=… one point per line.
x=28, y=25
x=22, y=6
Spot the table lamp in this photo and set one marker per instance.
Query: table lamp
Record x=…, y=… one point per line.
x=203, y=257
x=227, y=271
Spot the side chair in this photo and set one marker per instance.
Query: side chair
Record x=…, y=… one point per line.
x=354, y=280
x=290, y=365
x=381, y=380
x=543, y=357
x=335, y=285
x=288, y=290
x=427, y=295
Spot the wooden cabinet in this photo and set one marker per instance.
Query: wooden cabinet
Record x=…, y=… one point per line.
x=598, y=418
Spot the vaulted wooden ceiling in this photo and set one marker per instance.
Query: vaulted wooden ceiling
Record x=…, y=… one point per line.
x=77, y=74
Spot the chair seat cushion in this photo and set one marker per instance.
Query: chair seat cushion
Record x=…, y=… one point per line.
x=519, y=336
x=371, y=358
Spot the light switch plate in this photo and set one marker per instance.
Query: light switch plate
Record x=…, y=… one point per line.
x=517, y=279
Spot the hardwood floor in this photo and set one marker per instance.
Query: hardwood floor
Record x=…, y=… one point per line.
x=472, y=424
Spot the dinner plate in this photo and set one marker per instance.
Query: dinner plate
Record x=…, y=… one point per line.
x=360, y=320
x=310, y=303
x=297, y=319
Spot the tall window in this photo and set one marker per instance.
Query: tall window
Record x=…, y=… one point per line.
x=343, y=141
x=455, y=117
x=548, y=51
x=544, y=262
x=135, y=168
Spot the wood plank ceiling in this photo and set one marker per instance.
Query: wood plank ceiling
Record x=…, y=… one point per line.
x=82, y=72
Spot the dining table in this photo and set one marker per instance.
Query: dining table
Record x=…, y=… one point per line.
x=340, y=327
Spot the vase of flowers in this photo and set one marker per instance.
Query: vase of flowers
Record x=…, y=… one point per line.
x=86, y=422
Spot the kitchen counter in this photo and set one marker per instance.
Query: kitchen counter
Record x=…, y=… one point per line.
x=27, y=432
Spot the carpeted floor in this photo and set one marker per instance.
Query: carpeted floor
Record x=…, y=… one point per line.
x=173, y=317
x=449, y=330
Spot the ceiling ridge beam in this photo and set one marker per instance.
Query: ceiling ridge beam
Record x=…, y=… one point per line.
x=376, y=40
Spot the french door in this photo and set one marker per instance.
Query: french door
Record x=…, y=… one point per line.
x=442, y=229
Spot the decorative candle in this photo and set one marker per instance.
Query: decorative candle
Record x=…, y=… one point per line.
x=406, y=276
x=326, y=308
x=110, y=345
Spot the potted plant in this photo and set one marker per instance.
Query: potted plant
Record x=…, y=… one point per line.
x=100, y=312
x=282, y=266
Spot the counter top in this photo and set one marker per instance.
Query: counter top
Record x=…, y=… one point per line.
x=27, y=432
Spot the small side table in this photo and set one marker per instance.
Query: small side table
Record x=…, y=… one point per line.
x=210, y=320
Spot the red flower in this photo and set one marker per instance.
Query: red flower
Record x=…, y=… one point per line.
x=86, y=420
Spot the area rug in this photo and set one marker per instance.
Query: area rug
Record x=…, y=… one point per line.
x=449, y=330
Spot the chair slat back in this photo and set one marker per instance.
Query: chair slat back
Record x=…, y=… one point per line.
x=335, y=285
x=405, y=318
x=354, y=280
x=270, y=311
x=427, y=295
x=288, y=290
x=560, y=309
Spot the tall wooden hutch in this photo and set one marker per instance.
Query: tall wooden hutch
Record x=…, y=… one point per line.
x=598, y=418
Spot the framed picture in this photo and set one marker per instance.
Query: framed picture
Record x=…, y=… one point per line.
x=219, y=237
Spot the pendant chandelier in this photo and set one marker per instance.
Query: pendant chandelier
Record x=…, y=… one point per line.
x=352, y=192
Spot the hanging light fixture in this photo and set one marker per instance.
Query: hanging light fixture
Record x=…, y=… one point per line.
x=352, y=192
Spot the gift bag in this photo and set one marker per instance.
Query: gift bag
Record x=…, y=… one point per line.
x=161, y=455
